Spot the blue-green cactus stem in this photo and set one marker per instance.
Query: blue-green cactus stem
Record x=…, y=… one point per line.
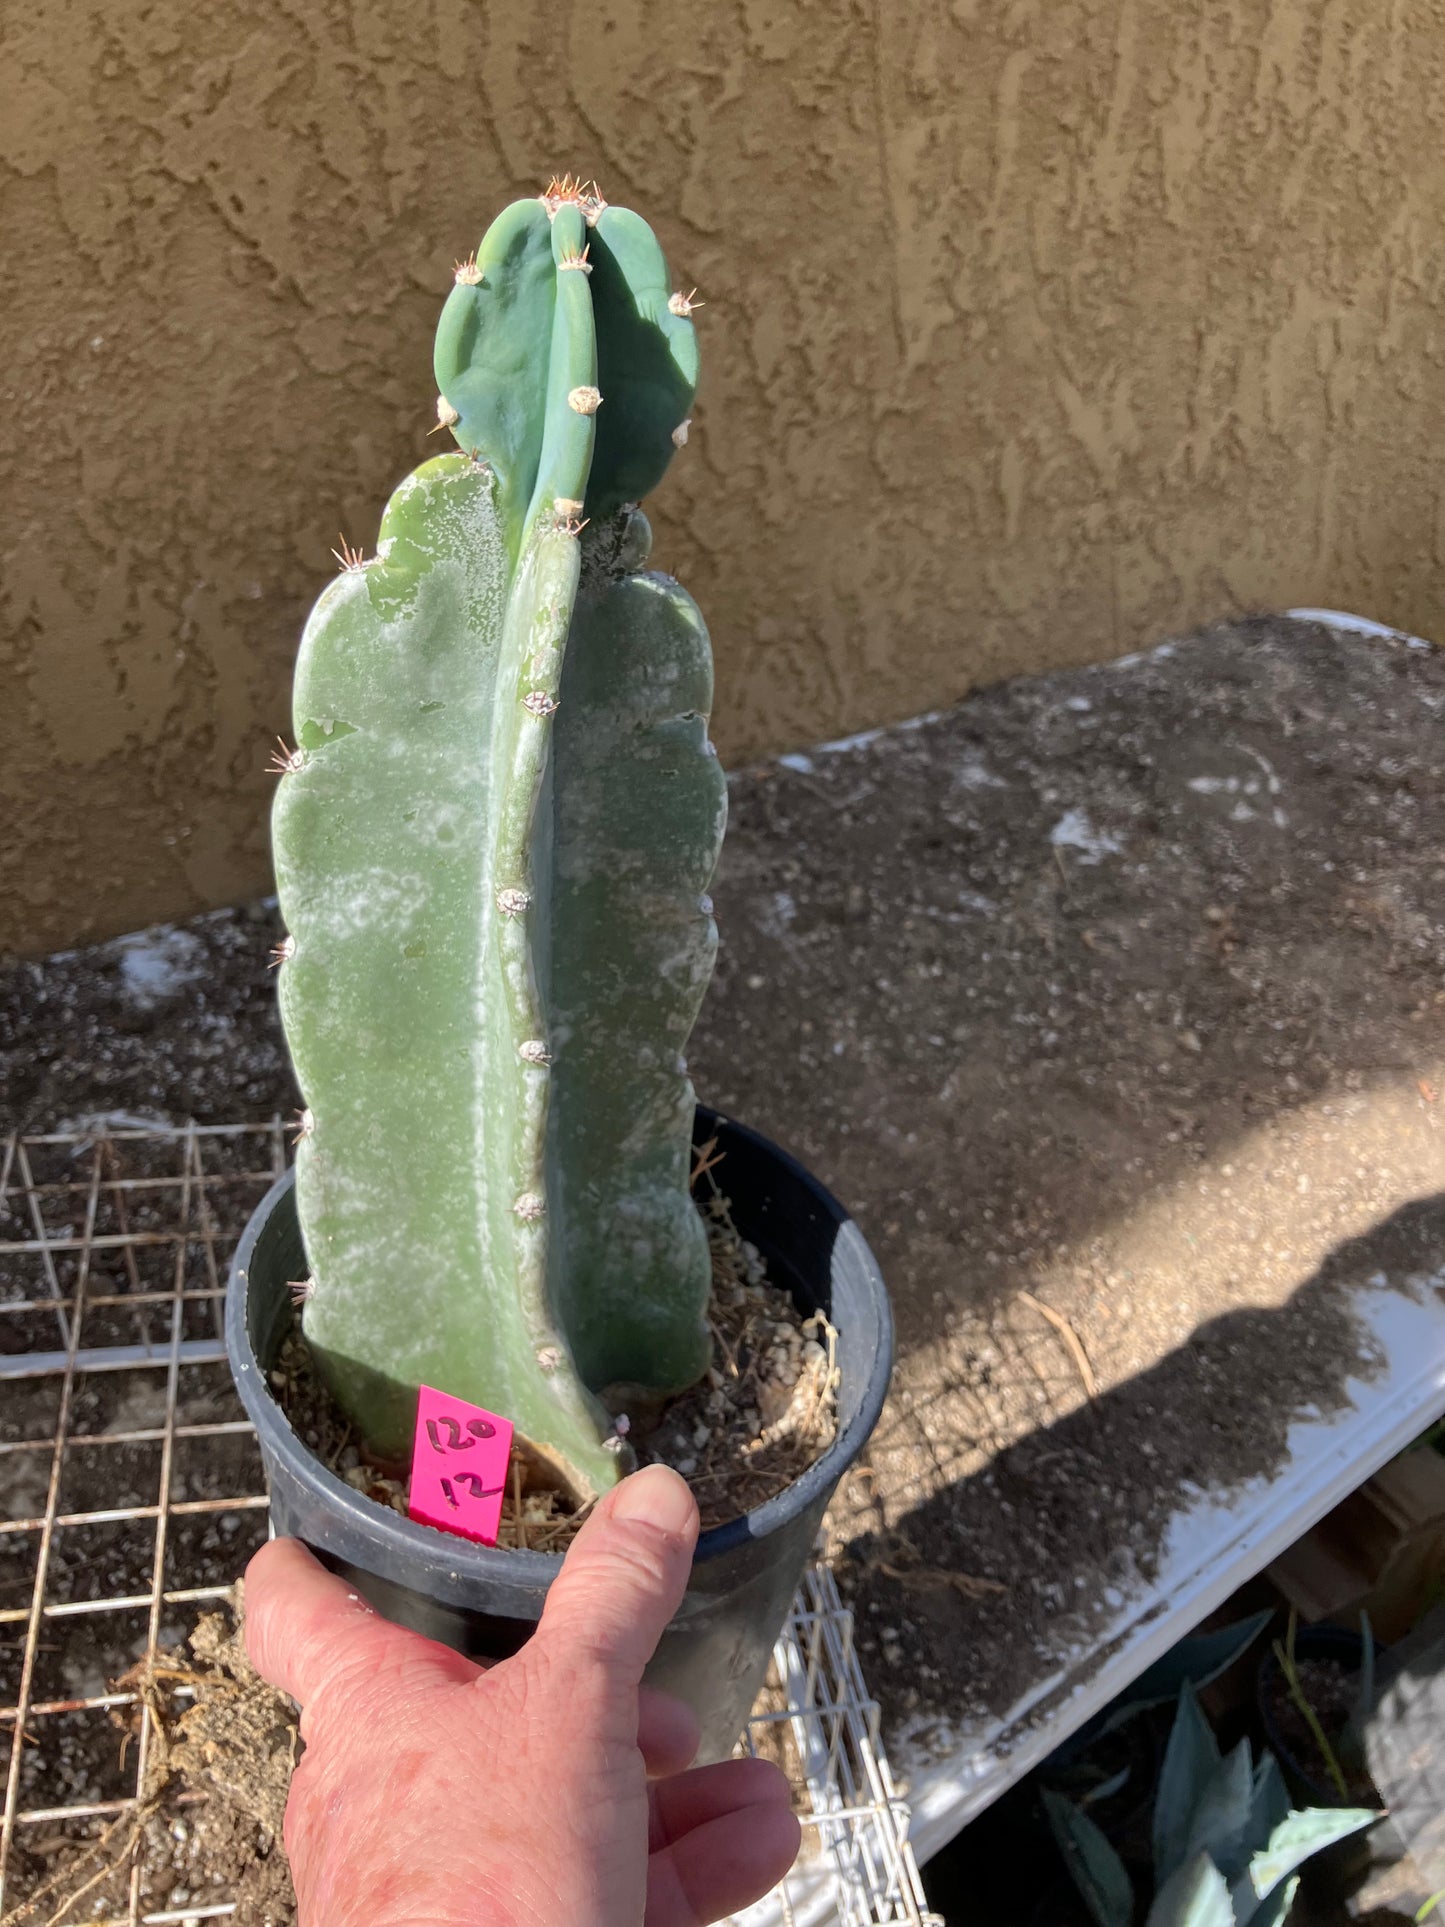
x=639, y=807
x=492, y=849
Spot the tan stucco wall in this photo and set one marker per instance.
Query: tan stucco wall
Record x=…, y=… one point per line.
x=1035, y=328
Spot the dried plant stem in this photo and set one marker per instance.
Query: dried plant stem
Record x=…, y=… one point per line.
x=1070, y=1337
x=1284, y=1653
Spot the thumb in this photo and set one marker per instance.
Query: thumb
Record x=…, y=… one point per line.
x=309, y=1632
x=622, y=1580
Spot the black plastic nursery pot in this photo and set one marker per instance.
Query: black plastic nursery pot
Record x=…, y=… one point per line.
x=1338, y=1867
x=485, y=1601
x=1308, y=1785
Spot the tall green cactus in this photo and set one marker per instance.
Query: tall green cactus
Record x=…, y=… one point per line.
x=493, y=843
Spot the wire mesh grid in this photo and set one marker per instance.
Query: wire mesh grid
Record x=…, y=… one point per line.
x=859, y=1820
x=132, y=1495
x=130, y=1481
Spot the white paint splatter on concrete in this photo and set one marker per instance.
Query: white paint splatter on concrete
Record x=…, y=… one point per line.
x=777, y=915
x=1075, y=831
x=156, y=963
x=973, y=773
x=977, y=901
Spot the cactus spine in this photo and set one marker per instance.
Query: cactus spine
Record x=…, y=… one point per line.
x=493, y=844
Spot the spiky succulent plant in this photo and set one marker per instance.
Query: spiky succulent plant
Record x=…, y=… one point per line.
x=493, y=844
x=1226, y=1844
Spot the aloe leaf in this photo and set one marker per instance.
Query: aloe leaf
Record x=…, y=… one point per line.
x=1220, y=1823
x=1095, y=1868
x=1293, y=1841
x=1197, y=1660
x=1274, y=1911
x=1106, y=1789
x=1196, y=1895
x=1269, y=1804
x=1191, y=1759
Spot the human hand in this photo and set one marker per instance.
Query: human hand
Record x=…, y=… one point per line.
x=549, y=1790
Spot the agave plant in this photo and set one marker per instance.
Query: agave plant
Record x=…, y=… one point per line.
x=1197, y=1660
x=1226, y=1845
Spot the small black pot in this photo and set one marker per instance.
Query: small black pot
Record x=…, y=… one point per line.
x=1339, y=1868
x=485, y=1601
x=1335, y=1643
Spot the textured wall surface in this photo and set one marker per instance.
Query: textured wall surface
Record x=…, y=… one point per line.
x=1035, y=328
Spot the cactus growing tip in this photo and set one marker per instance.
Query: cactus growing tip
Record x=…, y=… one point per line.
x=570, y=190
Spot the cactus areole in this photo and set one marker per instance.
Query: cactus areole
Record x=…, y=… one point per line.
x=493, y=844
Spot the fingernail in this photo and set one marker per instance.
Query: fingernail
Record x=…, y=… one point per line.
x=656, y=1496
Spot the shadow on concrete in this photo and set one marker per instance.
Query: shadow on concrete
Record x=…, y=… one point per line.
x=1064, y=1525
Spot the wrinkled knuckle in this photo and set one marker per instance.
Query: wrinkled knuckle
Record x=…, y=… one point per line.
x=525, y=1701
x=604, y=1640
x=647, y=1555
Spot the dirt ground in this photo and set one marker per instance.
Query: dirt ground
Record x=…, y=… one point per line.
x=1112, y=1003
x=208, y=1828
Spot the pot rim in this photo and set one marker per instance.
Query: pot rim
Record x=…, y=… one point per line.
x=540, y=1568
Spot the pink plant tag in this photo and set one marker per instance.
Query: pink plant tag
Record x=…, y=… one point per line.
x=459, y=1467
